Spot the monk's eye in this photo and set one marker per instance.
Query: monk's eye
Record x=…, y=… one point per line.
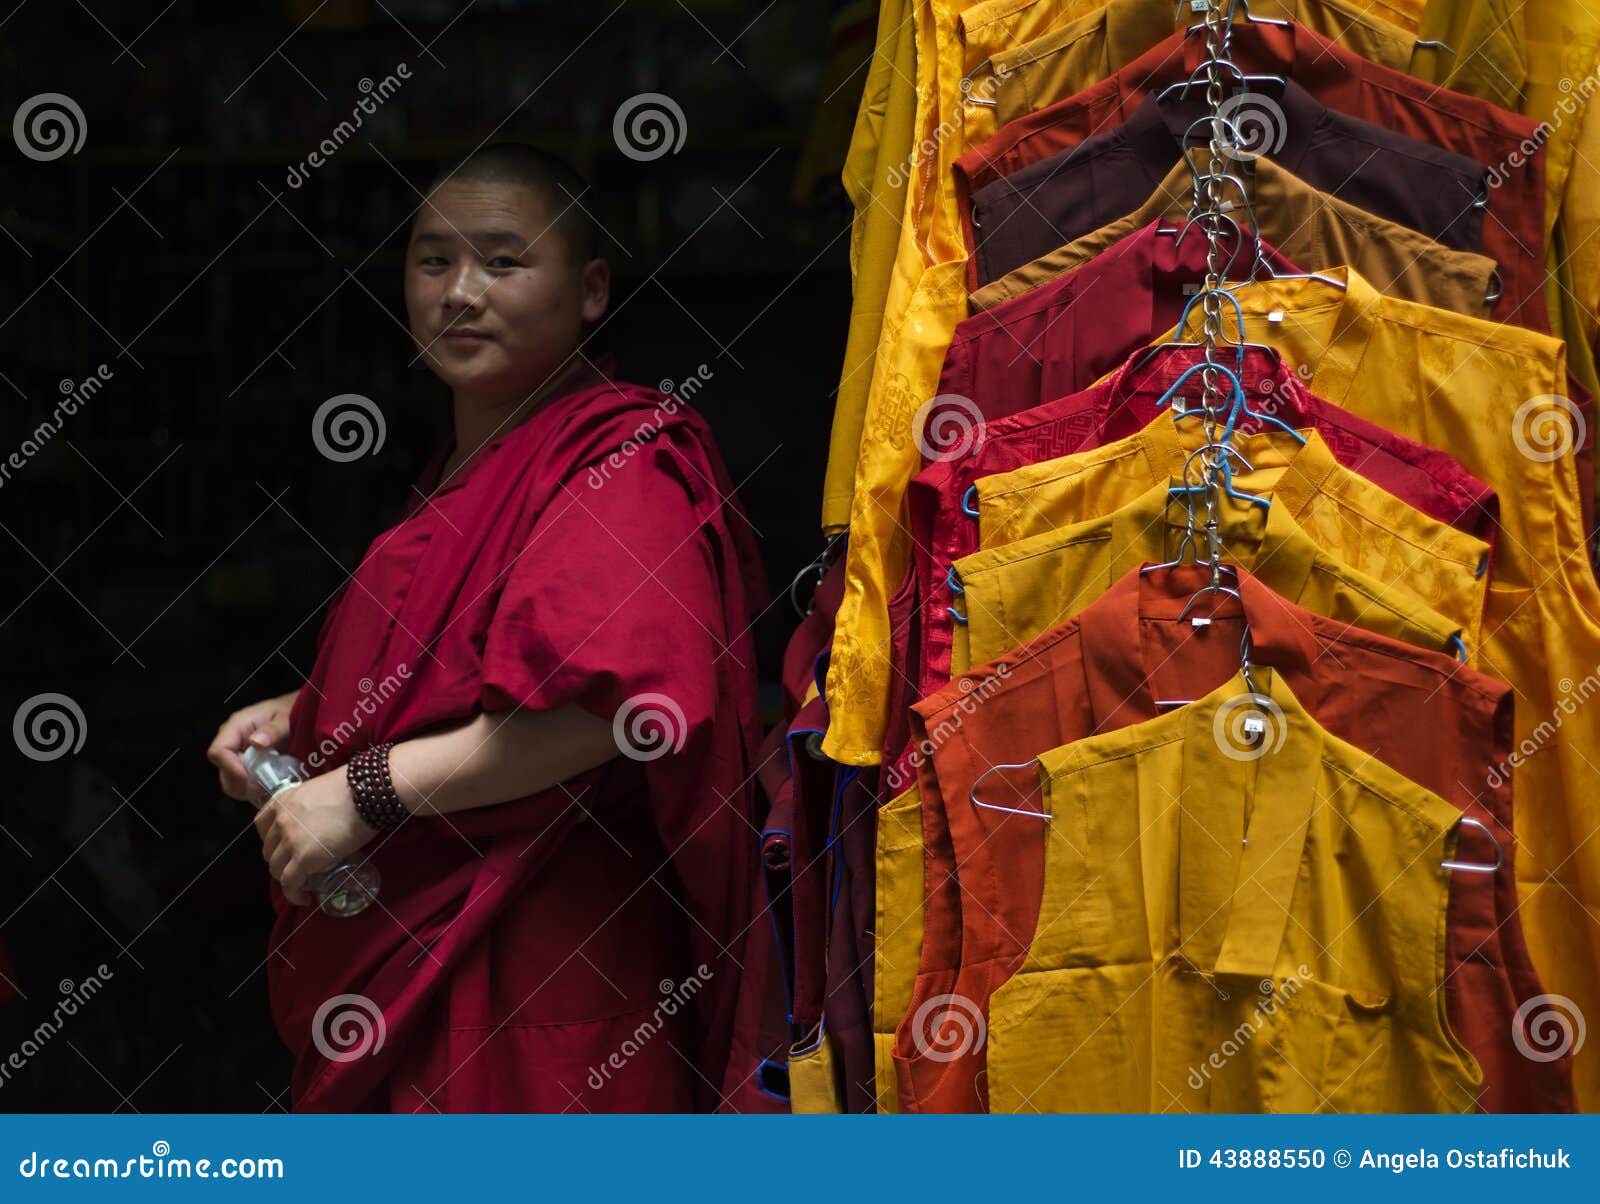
x=431, y=261
x=505, y=261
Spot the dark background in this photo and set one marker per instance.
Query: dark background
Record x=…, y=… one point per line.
x=169, y=550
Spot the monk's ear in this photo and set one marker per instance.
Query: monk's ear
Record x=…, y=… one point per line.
x=595, y=283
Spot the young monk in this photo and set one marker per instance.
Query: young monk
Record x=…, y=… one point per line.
x=548, y=667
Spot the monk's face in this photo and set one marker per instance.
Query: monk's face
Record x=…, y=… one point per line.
x=496, y=300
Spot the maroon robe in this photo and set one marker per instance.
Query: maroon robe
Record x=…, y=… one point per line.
x=545, y=954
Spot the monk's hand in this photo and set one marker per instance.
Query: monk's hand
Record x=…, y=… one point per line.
x=264, y=724
x=310, y=828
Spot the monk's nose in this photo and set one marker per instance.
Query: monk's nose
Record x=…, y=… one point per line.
x=465, y=289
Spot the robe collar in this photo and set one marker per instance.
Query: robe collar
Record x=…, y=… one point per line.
x=583, y=373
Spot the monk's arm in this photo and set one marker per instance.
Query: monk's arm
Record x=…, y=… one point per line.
x=493, y=758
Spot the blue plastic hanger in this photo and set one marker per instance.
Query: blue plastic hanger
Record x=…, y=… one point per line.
x=1241, y=401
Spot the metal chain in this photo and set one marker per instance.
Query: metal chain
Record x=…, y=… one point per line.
x=1218, y=25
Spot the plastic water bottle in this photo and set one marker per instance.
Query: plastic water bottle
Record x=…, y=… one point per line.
x=345, y=890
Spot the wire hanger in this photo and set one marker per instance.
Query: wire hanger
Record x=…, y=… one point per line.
x=1246, y=202
x=1219, y=293
x=1242, y=6
x=820, y=566
x=1219, y=412
x=1472, y=867
x=968, y=80
x=1195, y=79
x=1434, y=44
x=1240, y=406
x=1220, y=408
x=972, y=794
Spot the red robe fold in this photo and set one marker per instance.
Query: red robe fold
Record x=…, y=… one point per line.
x=546, y=954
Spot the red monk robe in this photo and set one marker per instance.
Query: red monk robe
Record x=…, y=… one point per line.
x=594, y=947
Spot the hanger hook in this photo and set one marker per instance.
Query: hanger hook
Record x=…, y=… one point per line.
x=972, y=794
x=819, y=565
x=1472, y=867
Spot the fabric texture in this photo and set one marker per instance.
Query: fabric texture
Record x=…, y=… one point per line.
x=1513, y=233
x=1497, y=397
x=1106, y=667
x=1312, y=229
x=1298, y=894
x=467, y=605
x=1064, y=196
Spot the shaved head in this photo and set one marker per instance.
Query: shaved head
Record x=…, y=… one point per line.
x=554, y=181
